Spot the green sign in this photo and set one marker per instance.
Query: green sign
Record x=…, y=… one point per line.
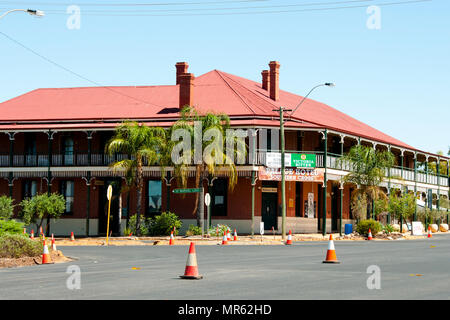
x=189, y=190
x=299, y=160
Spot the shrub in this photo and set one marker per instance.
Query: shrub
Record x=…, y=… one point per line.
x=163, y=224
x=388, y=229
x=42, y=206
x=219, y=230
x=17, y=246
x=363, y=227
x=194, y=230
x=127, y=231
x=10, y=227
x=6, y=207
x=144, y=227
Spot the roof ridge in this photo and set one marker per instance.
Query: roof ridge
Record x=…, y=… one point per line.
x=237, y=94
x=247, y=89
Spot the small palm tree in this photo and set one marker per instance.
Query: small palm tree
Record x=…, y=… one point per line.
x=369, y=168
x=221, y=122
x=143, y=144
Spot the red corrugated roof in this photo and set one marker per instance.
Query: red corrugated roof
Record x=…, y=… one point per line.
x=214, y=91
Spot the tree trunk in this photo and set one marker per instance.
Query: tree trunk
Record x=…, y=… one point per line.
x=198, y=174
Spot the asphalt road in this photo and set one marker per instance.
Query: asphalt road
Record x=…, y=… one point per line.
x=414, y=269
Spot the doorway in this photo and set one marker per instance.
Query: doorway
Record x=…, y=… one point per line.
x=335, y=208
x=269, y=206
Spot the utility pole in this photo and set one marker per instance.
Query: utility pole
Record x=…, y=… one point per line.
x=281, y=110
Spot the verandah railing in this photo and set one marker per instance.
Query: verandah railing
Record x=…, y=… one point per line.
x=81, y=159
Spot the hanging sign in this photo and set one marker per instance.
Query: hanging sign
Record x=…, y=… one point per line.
x=291, y=174
x=303, y=160
x=295, y=160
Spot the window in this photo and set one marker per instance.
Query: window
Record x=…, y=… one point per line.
x=154, y=197
x=67, y=148
x=67, y=191
x=219, y=198
x=29, y=189
x=30, y=149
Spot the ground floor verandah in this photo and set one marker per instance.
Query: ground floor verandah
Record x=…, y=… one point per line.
x=86, y=204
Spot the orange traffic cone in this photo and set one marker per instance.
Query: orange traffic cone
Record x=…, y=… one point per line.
x=72, y=237
x=235, y=238
x=191, y=271
x=53, y=243
x=369, y=237
x=46, y=255
x=289, y=239
x=40, y=231
x=331, y=253
x=429, y=232
x=32, y=234
x=24, y=230
x=224, y=239
x=228, y=235
x=171, y=241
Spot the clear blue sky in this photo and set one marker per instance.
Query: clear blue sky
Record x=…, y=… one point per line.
x=395, y=79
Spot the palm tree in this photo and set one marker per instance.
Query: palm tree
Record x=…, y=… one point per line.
x=220, y=122
x=369, y=168
x=143, y=144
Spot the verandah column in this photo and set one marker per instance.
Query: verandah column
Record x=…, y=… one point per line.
x=325, y=183
x=448, y=185
x=49, y=172
x=88, y=182
x=389, y=188
x=415, y=186
x=341, y=189
x=11, y=162
x=438, y=173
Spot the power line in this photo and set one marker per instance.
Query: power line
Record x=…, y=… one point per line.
x=128, y=4
x=142, y=13
x=73, y=72
x=216, y=9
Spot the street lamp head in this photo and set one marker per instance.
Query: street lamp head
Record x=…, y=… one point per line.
x=330, y=84
x=37, y=13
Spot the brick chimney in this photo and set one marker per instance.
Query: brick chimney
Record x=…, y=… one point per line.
x=182, y=67
x=274, y=80
x=265, y=79
x=186, y=89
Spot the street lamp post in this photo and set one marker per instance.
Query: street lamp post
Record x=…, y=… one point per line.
x=281, y=110
x=37, y=13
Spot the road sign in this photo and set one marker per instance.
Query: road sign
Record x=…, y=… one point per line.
x=417, y=228
x=188, y=190
x=207, y=199
x=109, y=192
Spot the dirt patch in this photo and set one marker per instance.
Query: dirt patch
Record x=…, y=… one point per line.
x=56, y=256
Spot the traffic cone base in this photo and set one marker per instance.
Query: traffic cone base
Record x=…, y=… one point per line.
x=331, y=253
x=191, y=271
